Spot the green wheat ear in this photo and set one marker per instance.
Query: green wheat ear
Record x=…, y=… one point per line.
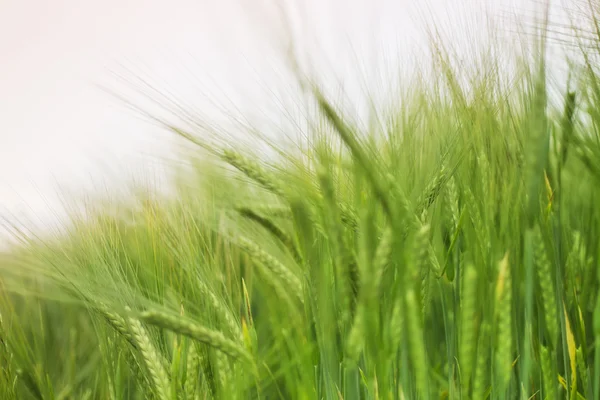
x=117, y=322
x=467, y=325
x=581, y=367
x=567, y=125
x=192, y=371
x=219, y=307
x=186, y=327
x=548, y=373
x=349, y=138
x=272, y=266
x=369, y=293
x=421, y=264
x=482, y=365
x=432, y=191
x=417, y=345
x=252, y=170
x=272, y=227
x=545, y=277
x=503, y=312
x=152, y=359
x=451, y=201
x=356, y=337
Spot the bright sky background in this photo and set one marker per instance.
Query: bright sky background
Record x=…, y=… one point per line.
x=59, y=129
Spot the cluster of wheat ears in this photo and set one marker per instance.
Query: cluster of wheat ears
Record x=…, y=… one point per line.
x=451, y=251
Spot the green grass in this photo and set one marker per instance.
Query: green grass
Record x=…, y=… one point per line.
x=453, y=251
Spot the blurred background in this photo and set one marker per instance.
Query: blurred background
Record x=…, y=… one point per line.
x=71, y=71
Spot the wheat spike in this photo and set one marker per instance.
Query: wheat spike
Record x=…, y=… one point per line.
x=481, y=366
x=197, y=332
x=503, y=311
x=273, y=266
x=270, y=226
x=544, y=273
x=151, y=358
x=467, y=328
x=417, y=344
x=253, y=170
x=550, y=383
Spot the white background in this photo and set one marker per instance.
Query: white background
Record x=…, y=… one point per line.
x=59, y=130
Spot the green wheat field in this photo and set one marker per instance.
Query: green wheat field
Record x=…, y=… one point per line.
x=449, y=249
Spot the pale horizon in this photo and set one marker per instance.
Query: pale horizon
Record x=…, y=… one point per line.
x=60, y=129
